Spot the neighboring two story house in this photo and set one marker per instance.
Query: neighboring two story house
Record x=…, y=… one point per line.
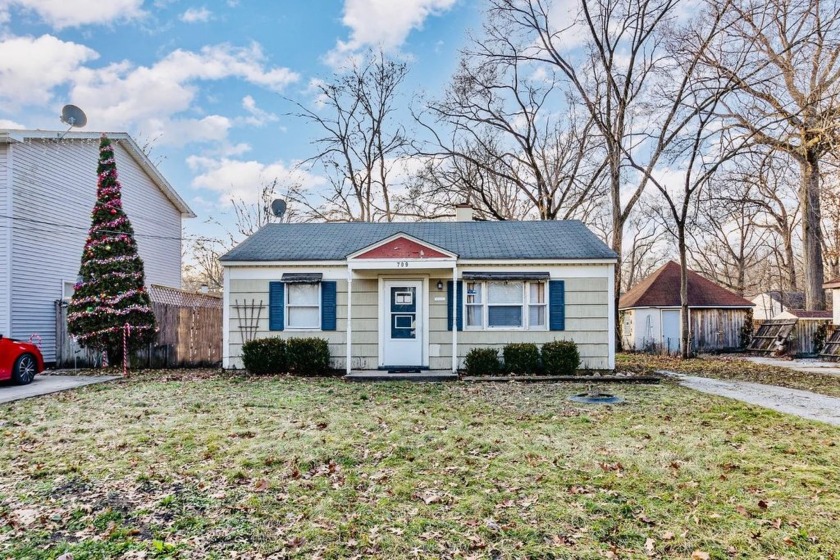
x=47, y=191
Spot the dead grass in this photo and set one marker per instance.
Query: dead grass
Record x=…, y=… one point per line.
x=731, y=367
x=204, y=467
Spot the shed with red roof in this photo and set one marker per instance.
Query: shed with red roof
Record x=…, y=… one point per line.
x=650, y=313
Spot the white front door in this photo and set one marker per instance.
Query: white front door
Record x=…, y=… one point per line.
x=401, y=324
x=671, y=329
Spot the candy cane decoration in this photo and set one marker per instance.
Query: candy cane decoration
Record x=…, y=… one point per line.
x=37, y=339
x=126, y=333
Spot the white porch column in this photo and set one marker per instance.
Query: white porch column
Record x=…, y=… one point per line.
x=348, y=352
x=455, y=304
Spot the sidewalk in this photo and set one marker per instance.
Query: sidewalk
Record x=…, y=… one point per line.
x=804, y=404
x=46, y=384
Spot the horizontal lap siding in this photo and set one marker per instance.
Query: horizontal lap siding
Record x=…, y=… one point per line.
x=56, y=182
x=5, y=240
x=365, y=321
x=587, y=324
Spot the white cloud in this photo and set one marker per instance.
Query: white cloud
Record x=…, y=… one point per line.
x=256, y=116
x=6, y=123
x=239, y=179
x=31, y=67
x=382, y=23
x=197, y=15
x=157, y=100
x=65, y=13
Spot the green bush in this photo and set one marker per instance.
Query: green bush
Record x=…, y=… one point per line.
x=522, y=358
x=560, y=357
x=264, y=356
x=482, y=361
x=308, y=356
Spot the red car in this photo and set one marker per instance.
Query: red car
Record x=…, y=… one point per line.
x=19, y=361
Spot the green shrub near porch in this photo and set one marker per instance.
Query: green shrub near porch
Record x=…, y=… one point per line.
x=522, y=358
x=264, y=356
x=298, y=356
x=560, y=357
x=482, y=361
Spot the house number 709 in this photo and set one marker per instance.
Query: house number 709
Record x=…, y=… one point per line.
x=402, y=264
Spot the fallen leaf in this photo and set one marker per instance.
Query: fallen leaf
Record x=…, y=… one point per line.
x=650, y=545
x=261, y=485
x=700, y=555
x=762, y=504
x=667, y=536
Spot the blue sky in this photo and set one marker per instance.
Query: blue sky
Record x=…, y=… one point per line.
x=206, y=81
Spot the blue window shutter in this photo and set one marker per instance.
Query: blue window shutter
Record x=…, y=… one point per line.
x=328, y=306
x=276, y=306
x=450, y=301
x=557, y=305
x=460, y=314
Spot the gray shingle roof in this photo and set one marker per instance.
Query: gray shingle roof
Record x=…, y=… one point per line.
x=568, y=239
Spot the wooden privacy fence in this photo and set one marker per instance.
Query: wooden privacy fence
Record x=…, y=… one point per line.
x=798, y=334
x=831, y=350
x=189, y=333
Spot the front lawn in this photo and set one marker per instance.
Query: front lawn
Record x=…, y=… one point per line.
x=731, y=366
x=209, y=466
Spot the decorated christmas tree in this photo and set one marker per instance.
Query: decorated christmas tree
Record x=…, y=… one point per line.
x=110, y=306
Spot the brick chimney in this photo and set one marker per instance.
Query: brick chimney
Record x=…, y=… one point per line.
x=463, y=212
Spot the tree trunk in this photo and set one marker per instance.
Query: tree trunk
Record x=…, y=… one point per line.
x=787, y=239
x=617, y=240
x=809, y=195
x=685, y=334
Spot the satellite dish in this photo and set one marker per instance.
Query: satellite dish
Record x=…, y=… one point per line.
x=73, y=116
x=278, y=207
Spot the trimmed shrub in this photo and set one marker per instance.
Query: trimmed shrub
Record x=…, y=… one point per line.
x=482, y=361
x=264, y=356
x=523, y=358
x=560, y=357
x=308, y=356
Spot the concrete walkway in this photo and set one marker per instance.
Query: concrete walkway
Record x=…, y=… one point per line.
x=46, y=384
x=804, y=365
x=804, y=404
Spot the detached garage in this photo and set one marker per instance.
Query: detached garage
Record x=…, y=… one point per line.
x=650, y=314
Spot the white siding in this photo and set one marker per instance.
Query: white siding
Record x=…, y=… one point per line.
x=587, y=315
x=55, y=182
x=835, y=306
x=5, y=240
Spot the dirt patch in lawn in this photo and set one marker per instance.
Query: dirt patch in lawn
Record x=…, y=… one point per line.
x=301, y=468
x=731, y=367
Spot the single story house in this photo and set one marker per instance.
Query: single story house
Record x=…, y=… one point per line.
x=771, y=303
x=387, y=295
x=650, y=313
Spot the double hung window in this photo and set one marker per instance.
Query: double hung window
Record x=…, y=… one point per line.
x=303, y=306
x=505, y=304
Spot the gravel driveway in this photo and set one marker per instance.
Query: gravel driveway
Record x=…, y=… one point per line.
x=804, y=404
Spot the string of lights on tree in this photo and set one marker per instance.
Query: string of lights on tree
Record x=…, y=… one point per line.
x=110, y=299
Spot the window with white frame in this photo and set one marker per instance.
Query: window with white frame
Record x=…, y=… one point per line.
x=303, y=306
x=505, y=304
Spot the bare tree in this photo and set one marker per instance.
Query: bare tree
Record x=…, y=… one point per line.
x=646, y=250
x=692, y=147
x=498, y=120
x=622, y=46
x=831, y=223
x=784, y=56
x=727, y=245
x=359, y=140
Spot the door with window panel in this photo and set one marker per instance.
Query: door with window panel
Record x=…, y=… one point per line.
x=402, y=326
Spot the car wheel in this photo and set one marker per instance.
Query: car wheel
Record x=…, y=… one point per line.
x=24, y=370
